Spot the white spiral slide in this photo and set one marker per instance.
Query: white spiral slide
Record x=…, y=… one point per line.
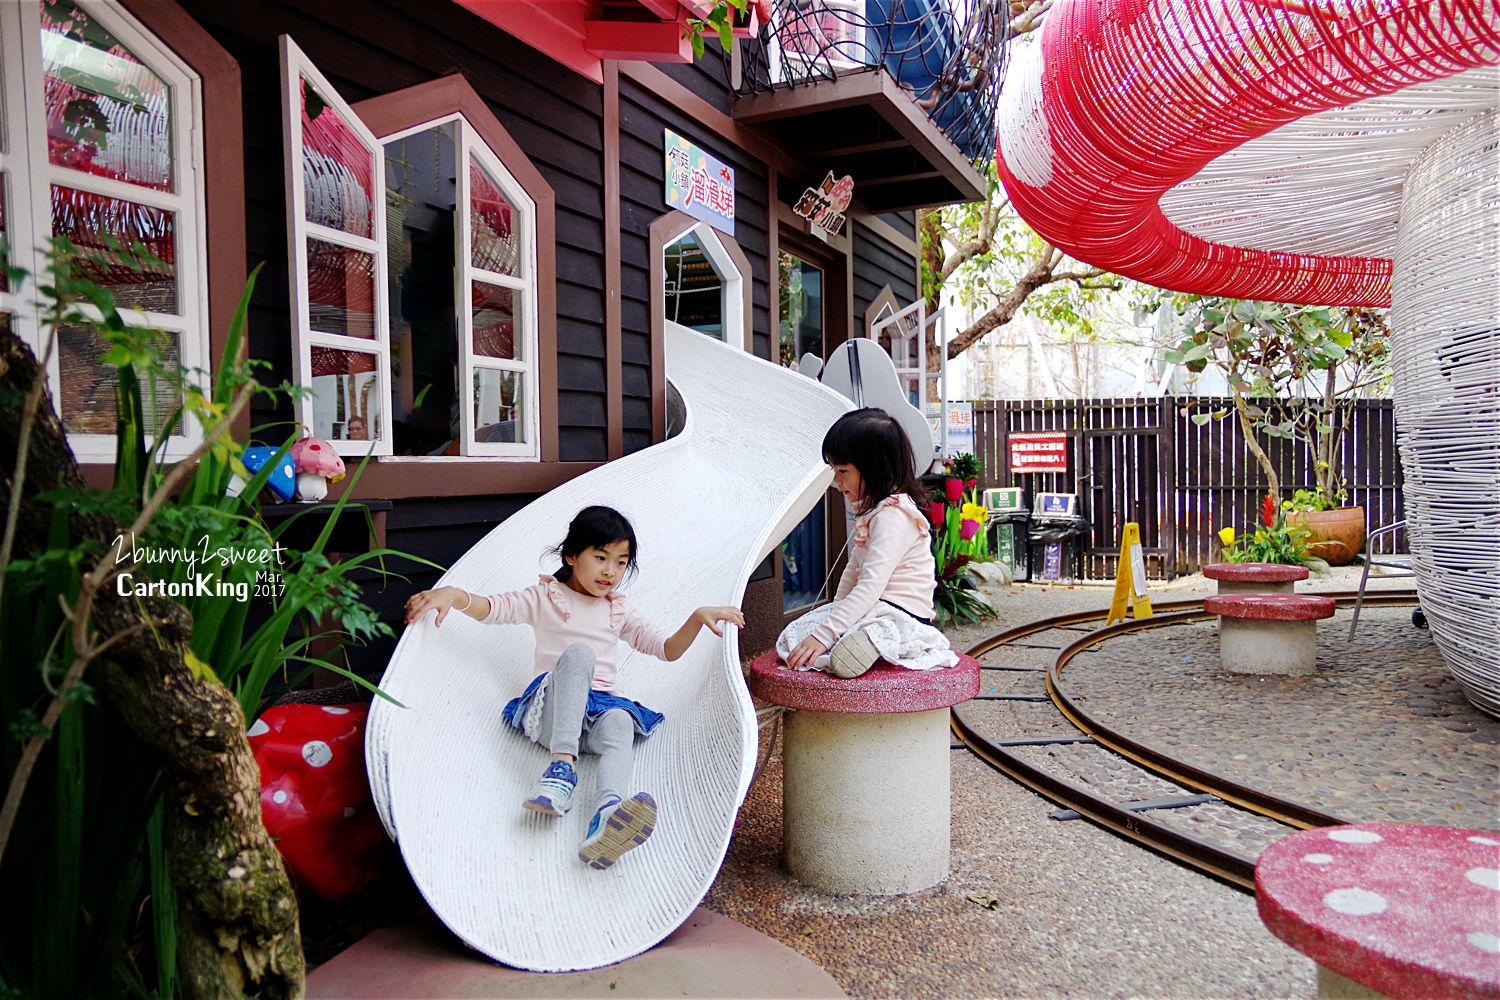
x=448, y=775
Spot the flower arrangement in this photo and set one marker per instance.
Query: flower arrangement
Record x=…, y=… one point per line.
x=1273, y=540
x=958, y=538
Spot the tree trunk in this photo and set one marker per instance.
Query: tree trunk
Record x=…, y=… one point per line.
x=1039, y=274
x=1273, y=481
x=237, y=932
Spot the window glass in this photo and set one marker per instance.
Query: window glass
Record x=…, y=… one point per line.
x=496, y=316
x=107, y=113
x=694, y=286
x=139, y=270
x=87, y=385
x=340, y=289
x=801, y=309
x=336, y=168
x=496, y=235
x=498, y=401
x=4, y=233
x=347, y=407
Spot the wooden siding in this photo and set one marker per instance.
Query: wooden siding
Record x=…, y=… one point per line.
x=643, y=119
x=877, y=263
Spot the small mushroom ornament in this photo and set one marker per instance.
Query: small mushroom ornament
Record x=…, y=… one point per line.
x=317, y=466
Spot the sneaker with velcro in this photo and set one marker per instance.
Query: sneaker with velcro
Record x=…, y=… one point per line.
x=554, y=789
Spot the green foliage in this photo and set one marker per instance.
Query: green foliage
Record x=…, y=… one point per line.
x=719, y=20
x=86, y=861
x=963, y=466
x=1309, y=500
x=955, y=597
x=1270, y=541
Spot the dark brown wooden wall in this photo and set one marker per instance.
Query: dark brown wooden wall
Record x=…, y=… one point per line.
x=877, y=263
x=643, y=118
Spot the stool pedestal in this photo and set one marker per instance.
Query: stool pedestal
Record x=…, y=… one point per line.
x=865, y=804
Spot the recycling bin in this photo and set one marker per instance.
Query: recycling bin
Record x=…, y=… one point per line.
x=1053, y=539
x=1008, y=539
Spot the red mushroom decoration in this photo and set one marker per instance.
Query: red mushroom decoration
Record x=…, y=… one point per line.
x=315, y=796
x=317, y=466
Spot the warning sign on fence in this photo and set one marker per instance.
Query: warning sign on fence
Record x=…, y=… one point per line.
x=1039, y=451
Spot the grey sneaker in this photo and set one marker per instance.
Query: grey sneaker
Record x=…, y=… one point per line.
x=616, y=828
x=852, y=655
x=554, y=789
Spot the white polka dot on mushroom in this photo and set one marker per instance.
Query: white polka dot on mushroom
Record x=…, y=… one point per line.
x=335, y=710
x=1485, y=941
x=1487, y=841
x=317, y=753
x=278, y=797
x=1355, y=902
x=1487, y=877
x=257, y=728
x=1318, y=859
x=1354, y=836
x=348, y=811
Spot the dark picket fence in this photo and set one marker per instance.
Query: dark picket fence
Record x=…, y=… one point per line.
x=1145, y=460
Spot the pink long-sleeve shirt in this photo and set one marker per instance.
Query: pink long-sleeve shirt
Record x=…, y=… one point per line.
x=559, y=616
x=890, y=559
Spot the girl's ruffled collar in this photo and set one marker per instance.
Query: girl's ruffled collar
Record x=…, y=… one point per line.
x=901, y=502
x=559, y=599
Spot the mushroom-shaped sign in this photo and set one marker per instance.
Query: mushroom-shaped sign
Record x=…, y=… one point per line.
x=1249, y=148
x=317, y=465
x=1406, y=910
x=283, y=479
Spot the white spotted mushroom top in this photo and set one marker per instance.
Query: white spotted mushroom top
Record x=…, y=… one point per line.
x=1407, y=910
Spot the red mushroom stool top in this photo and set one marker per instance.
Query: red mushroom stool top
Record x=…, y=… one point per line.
x=1406, y=910
x=1251, y=572
x=883, y=688
x=1271, y=607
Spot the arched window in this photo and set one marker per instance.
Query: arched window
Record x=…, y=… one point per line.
x=704, y=279
x=100, y=137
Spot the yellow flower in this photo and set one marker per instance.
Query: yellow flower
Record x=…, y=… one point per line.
x=1260, y=535
x=1226, y=535
x=974, y=512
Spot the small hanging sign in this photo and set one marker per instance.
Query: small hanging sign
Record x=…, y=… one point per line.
x=698, y=184
x=823, y=206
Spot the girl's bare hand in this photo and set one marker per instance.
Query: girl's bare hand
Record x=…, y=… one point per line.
x=807, y=650
x=441, y=600
x=710, y=618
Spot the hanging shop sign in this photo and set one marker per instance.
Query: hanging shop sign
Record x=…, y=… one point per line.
x=1034, y=451
x=823, y=206
x=698, y=184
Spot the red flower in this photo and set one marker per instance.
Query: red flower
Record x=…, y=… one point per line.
x=972, y=483
x=953, y=489
x=1268, y=511
x=937, y=513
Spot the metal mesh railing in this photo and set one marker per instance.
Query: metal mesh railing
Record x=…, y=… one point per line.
x=949, y=56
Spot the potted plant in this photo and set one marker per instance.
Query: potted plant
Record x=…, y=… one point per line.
x=1275, y=540
x=1294, y=373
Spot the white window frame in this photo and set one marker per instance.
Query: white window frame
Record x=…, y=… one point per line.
x=731, y=287
x=29, y=175
x=294, y=66
x=471, y=146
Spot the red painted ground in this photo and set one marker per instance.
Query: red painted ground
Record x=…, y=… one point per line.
x=1271, y=607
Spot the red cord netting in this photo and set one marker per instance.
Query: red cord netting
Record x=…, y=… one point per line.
x=1140, y=95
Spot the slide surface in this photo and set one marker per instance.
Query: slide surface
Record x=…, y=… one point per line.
x=449, y=775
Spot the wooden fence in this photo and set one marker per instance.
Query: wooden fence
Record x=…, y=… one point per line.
x=1145, y=460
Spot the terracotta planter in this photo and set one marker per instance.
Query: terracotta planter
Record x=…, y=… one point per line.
x=1336, y=536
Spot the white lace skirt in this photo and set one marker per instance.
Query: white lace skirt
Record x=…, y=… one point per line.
x=899, y=637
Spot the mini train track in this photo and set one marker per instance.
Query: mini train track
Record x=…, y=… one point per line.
x=1134, y=819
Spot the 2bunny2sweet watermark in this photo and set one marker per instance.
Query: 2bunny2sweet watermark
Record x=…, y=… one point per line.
x=267, y=583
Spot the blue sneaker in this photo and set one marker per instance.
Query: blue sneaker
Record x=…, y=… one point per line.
x=554, y=790
x=616, y=828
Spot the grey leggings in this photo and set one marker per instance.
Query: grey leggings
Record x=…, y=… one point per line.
x=565, y=698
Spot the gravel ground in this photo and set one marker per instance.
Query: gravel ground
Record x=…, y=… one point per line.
x=1034, y=907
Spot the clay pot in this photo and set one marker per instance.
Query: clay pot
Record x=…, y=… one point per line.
x=1335, y=536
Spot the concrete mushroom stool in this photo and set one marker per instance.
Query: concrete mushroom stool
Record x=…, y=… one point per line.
x=1269, y=633
x=1388, y=909
x=865, y=799
x=1255, y=578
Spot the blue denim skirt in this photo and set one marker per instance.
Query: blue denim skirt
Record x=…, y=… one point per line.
x=646, y=719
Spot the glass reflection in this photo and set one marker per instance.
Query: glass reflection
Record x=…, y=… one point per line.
x=498, y=412
x=340, y=289
x=496, y=235
x=87, y=386
x=336, y=168
x=495, y=320
x=107, y=113
x=346, y=406
x=127, y=247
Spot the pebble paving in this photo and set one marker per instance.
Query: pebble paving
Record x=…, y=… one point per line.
x=1036, y=907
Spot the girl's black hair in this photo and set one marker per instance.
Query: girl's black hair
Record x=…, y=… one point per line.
x=594, y=528
x=873, y=442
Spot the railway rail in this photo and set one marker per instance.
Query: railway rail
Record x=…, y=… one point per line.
x=1195, y=788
